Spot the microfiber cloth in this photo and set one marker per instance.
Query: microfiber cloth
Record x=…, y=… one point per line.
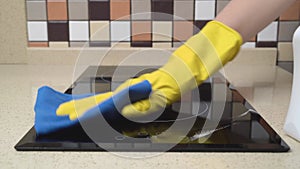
x=48, y=100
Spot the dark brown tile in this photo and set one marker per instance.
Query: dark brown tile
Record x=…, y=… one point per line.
x=198, y=25
x=162, y=10
x=99, y=10
x=266, y=44
x=58, y=31
x=141, y=44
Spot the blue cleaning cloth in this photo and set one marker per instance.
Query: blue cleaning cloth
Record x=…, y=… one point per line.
x=48, y=100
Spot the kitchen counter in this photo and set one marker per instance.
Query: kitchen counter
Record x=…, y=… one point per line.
x=266, y=88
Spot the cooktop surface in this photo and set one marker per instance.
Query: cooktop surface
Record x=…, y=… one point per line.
x=213, y=117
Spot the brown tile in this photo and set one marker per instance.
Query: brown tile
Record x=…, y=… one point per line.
x=266, y=44
x=120, y=9
x=58, y=31
x=99, y=10
x=141, y=31
x=37, y=44
x=292, y=13
x=141, y=44
x=198, y=25
x=182, y=30
x=162, y=10
x=57, y=10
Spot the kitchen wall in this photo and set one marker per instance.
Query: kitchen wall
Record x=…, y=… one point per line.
x=58, y=30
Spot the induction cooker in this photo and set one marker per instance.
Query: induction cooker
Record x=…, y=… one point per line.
x=199, y=128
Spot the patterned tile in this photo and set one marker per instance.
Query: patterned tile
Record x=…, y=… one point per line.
x=138, y=23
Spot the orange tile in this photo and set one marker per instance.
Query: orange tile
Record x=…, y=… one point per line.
x=141, y=31
x=292, y=13
x=37, y=44
x=182, y=30
x=57, y=10
x=120, y=9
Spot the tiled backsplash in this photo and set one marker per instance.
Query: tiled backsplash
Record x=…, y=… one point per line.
x=137, y=23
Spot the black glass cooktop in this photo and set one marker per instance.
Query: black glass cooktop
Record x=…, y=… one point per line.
x=199, y=127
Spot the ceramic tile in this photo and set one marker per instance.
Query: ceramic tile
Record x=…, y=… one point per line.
x=285, y=51
x=141, y=31
x=221, y=5
x=99, y=30
x=99, y=44
x=58, y=44
x=37, y=44
x=78, y=9
x=57, y=10
x=162, y=45
x=141, y=44
x=287, y=29
x=198, y=25
x=140, y=9
x=99, y=10
x=162, y=31
x=78, y=44
x=120, y=9
x=177, y=44
x=269, y=33
x=204, y=10
x=36, y=10
x=121, y=45
x=120, y=31
x=182, y=30
x=58, y=31
x=79, y=30
x=266, y=44
x=37, y=31
x=162, y=10
x=249, y=45
x=183, y=10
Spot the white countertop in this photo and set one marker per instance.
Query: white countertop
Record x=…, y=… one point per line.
x=266, y=88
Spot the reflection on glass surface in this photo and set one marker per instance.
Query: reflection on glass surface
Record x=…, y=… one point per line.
x=237, y=130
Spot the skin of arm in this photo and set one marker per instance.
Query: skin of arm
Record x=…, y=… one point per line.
x=248, y=17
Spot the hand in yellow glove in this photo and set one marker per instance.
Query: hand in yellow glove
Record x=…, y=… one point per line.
x=190, y=65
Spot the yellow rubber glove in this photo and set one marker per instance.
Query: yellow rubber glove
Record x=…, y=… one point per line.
x=190, y=65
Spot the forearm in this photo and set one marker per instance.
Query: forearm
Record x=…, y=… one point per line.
x=248, y=17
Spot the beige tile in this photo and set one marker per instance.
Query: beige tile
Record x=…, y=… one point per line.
x=99, y=30
x=120, y=45
x=256, y=56
x=285, y=51
x=183, y=10
x=162, y=31
x=58, y=44
x=141, y=9
x=162, y=45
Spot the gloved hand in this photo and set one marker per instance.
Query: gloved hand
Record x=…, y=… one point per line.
x=48, y=100
x=190, y=65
